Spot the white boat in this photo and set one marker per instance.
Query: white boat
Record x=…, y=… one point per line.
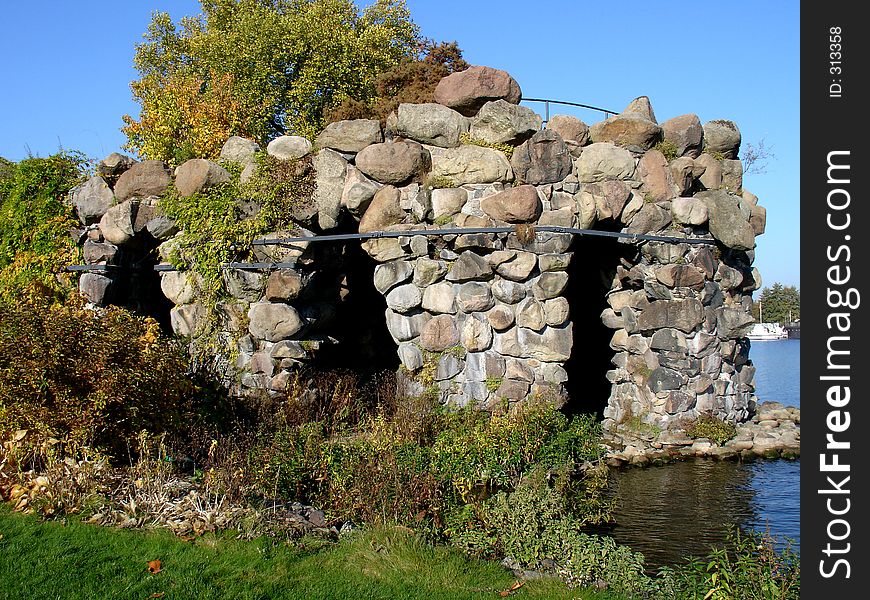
x=767, y=331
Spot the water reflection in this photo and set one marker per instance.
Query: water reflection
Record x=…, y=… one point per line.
x=684, y=508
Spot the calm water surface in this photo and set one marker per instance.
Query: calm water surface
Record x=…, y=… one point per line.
x=682, y=509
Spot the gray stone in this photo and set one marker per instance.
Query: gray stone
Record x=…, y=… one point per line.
x=404, y=298
x=519, y=267
x=649, y=219
x=99, y=253
x=732, y=323
x=682, y=170
x=358, y=192
x=610, y=198
x=116, y=224
x=188, y=320
x=449, y=366
x=711, y=172
x=476, y=334
x=634, y=205
x=92, y=199
x=144, y=179
x=670, y=340
x=406, y=327
x=626, y=130
x=690, y=211
x=611, y=320
x=244, y=284
x=197, y=174
x=550, y=284
x=261, y=362
x=554, y=262
x=427, y=271
x=431, y=123
x=512, y=389
x=439, y=298
x=758, y=219
x=414, y=199
x=331, y=169
x=470, y=164
x=663, y=379
x=678, y=402
x=474, y=297
x=447, y=201
x=239, y=150
x=161, y=227
x=469, y=266
x=501, y=316
x=658, y=181
x=556, y=311
x=411, y=356
x=602, y=161
x=552, y=345
x=563, y=217
x=393, y=162
x=351, y=135
x=513, y=205
x=726, y=221
x=542, y=159
x=388, y=275
x=288, y=349
x=288, y=147
x=273, y=322
x=180, y=287
x=684, y=315
x=96, y=288
x=530, y=314
x=467, y=91
x=113, y=166
x=500, y=122
x=509, y=292
x=519, y=370
x=685, y=133
x=439, y=334
x=570, y=128
x=722, y=136
x=732, y=176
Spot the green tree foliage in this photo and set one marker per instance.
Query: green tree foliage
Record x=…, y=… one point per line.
x=258, y=68
x=35, y=245
x=778, y=303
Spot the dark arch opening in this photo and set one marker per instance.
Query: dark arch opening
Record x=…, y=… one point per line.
x=136, y=284
x=591, y=274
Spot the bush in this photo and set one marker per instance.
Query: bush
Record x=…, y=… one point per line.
x=35, y=219
x=708, y=426
x=88, y=381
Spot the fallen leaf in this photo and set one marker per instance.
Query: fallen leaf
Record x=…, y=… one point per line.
x=19, y=435
x=157, y=595
x=154, y=566
x=517, y=585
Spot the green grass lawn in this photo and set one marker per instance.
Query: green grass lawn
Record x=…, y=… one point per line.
x=74, y=560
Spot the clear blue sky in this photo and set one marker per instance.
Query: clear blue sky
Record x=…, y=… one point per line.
x=67, y=68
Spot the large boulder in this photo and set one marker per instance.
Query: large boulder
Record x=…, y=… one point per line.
x=642, y=108
x=684, y=315
x=658, y=181
x=393, y=162
x=543, y=158
x=288, y=147
x=198, y=174
x=733, y=323
x=117, y=224
x=351, y=135
x=331, y=168
x=96, y=288
x=144, y=179
x=649, y=219
x=92, y=199
x=439, y=334
x=471, y=164
x=113, y=166
x=610, y=197
x=603, y=160
x=467, y=91
x=431, y=124
x=686, y=134
x=500, y=122
x=358, y=191
x=727, y=223
x=690, y=211
x=383, y=211
x=513, y=205
x=632, y=127
x=188, y=320
x=722, y=136
x=570, y=128
x=239, y=150
x=273, y=322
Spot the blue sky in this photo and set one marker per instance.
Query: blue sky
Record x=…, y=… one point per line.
x=67, y=68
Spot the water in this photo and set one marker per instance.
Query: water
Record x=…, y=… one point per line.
x=682, y=509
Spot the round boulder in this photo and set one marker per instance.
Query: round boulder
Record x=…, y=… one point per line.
x=467, y=91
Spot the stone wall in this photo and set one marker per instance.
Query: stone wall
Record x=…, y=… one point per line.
x=483, y=318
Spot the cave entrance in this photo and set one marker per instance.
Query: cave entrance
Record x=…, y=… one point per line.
x=591, y=274
x=361, y=341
